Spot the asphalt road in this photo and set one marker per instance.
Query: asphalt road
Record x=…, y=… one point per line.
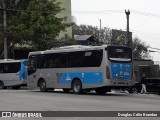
x=33, y=100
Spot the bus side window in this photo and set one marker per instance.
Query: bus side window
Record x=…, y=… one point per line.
x=93, y=58
x=50, y=64
x=14, y=67
x=63, y=60
x=42, y=61
x=1, y=68
x=10, y=68
x=5, y=68
x=33, y=63
x=45, y=64
x=76, y=59
x=97, y=55
x=88, y=59
x=52, y=60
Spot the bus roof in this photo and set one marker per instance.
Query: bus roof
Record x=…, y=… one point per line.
x=72, y=48
x=10, y=60
x=68, y=49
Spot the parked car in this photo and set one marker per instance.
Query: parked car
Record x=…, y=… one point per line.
x=152, y=85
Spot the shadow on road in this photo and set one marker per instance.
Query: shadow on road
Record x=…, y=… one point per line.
x=22, y=88
x=86, y=93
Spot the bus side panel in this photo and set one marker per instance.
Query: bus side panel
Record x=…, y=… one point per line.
x=11, y=79
x=49, y=75
x=32, y=81
x=87, y=78
x=91, y=77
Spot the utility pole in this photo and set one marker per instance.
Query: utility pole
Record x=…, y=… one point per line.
x=100, y=24
x=129, y=40
x=5, y=28
x=100, y=30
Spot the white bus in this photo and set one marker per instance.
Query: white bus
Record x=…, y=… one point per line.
x=79, y=68
x=13, y=73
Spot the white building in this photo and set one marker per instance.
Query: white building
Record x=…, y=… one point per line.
x=66, y=14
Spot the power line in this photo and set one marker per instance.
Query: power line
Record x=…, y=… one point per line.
x=146, y=14
x=118, y=11
x=154, y=48
x=147, y=36
x=19, y=10
x=145, y=32
x=93, y=12
x=153, y=51
x=98, y=12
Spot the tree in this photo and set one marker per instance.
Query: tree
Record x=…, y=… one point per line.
x=139, y=49
x=119, y=37
x=114, y=37
x=103, y=36
x=34, y=22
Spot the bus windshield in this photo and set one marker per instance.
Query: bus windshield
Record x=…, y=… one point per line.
x=116, y=53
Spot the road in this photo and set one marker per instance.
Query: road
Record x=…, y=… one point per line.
x=33, y=100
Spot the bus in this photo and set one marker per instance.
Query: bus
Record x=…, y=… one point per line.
x=13, y=73
x=81, y=68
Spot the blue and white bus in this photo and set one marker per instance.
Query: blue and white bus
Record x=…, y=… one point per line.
x=13, y=73
x=81, y=68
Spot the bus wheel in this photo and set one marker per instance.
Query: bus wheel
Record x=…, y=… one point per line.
x=2, y=85
x=134, y=90
x=42, y=86
x=65, y=90
x=101, y=91
x=77, y=86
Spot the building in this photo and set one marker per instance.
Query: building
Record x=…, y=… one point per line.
x=147, y=67
x=66, y=14
x=85, y=39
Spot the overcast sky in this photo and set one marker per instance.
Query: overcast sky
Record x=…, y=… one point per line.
x=144, y=17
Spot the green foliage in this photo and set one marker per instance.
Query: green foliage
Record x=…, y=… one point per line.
x=139, y=49
x=65, y=43
x=103, y=35
x=72, y=42
x=34, y=22
x=115, y=37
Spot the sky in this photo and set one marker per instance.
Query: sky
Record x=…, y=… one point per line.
x=144, y=18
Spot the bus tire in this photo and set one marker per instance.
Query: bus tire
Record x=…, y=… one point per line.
x=133, y=90
x=42, y=85
x=50, y=89
x=65, y=90
x=2, y=85
x=101, y=91
x=77, y=86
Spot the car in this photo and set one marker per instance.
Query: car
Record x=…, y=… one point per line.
x=152, y=86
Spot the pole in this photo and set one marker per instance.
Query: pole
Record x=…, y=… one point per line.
x=100, y=30
x=100, y=24
x=129, y=41
x=4, y=29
